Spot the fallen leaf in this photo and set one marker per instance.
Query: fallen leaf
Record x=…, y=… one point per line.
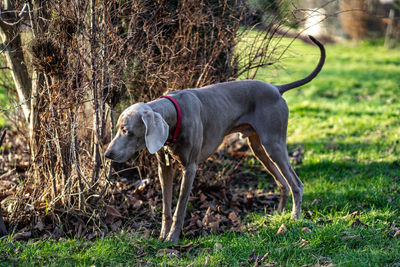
x=187, y=247
x=260, y=260
x=203, y=197
x=40, y=205
x=309, y=214
x=204, y=205
x=214, y=225
x=6, y=184
x=253, y=256
x=234, y=199
x=302, y=243
x=110, y=210
x=352, y=215
x=207, y=218
x=112, y=214
x=234, y=217
x=325, y=261
x=141, y=253
x=316, y=201
x=217, y=246
x=167, y=252
x=306, y=230
x=397, y=233
x=138, y=204
x=220, y=210
x=282, y=230
x=199, y=223
x=358, y=223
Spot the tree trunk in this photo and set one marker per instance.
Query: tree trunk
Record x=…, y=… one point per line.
x=12, y=47
x=96, y=116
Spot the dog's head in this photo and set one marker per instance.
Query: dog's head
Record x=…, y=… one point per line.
x=138, y=127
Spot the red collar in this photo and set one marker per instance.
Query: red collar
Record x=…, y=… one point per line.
x=179, y=121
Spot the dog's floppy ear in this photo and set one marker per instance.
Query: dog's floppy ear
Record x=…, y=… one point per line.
x=156, y=131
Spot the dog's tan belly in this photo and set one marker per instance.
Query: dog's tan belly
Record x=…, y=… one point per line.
x=245, y=129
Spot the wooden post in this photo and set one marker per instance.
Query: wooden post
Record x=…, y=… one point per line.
x=389, y=29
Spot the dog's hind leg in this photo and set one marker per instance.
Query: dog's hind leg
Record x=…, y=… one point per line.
x=270, y=124
x=260, y=153
x=278, y=154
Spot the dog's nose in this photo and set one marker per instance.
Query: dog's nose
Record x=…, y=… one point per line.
x=109, y=154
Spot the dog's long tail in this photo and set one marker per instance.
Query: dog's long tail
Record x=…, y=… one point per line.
x=285, y=87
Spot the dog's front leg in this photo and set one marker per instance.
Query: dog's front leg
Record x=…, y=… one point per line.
x=180, y=211
x=166, y=174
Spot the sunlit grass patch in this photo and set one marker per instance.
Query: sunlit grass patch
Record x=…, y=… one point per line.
x=3, y=105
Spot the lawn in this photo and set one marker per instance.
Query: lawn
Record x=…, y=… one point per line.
x=347, y=120
x=3, y=105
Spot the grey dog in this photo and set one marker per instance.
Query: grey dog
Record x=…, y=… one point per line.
x=254, y=108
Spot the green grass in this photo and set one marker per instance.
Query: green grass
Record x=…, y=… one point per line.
x=347, y=119
x=3, y=105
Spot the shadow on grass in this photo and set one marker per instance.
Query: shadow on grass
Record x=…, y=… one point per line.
x=338, y=144
x=327, y=112
x=345, y=185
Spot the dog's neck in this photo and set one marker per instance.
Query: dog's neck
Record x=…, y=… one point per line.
x=166, y=110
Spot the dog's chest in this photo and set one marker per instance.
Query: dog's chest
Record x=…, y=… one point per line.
x=171, y=153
